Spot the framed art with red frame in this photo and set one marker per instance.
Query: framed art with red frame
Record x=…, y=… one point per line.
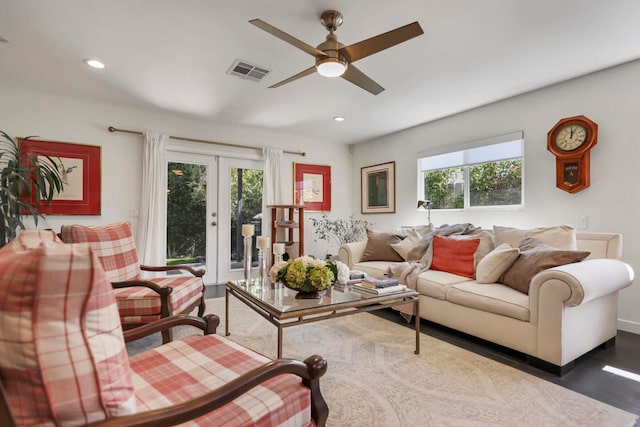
x=81, y=194
x=312, y=186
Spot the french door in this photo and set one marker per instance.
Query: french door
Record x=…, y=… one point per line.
x=240, y=202
x=208, y=199
x=192, y=211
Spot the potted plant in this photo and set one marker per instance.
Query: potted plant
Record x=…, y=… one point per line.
x=25, y=181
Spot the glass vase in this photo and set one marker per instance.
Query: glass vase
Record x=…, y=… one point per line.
x=263, y=259
x=248, y=240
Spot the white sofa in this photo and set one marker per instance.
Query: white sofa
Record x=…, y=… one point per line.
x=570, y=309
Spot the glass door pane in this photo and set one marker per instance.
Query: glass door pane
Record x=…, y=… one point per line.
x=240, y=203
x=191, y=214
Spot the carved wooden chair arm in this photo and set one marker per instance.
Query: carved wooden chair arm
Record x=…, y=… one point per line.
x=198, y=272
x=208, y=325
x=310, y=371
x=130, y=283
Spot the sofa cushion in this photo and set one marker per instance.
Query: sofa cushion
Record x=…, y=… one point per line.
x=454, y=255
x=379, y=246
x=63, y=360
x=494, y=298
x=491, y=267
x=168, y=375
x=560, y=237
x=404, y=247
x=434, y=283
x=535, y=257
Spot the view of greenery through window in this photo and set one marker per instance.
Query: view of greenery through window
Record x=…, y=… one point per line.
x=186, y=213
x=490, y=184
x=246, y=208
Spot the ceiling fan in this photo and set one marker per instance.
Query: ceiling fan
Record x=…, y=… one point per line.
x=333, y=59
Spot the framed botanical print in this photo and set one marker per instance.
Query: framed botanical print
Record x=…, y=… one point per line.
x=80, y=172
x=312, y=186
x=378, y=185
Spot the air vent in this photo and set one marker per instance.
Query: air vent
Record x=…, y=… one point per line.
x=248, y=71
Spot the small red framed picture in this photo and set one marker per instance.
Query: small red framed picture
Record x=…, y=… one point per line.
x=80, y=165
x=312, y=186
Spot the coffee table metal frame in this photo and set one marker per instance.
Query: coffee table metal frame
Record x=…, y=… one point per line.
x=257, y=297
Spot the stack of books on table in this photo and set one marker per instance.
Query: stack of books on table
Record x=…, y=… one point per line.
x=379, y=285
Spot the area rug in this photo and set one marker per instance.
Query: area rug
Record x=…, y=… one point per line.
x=375, y=379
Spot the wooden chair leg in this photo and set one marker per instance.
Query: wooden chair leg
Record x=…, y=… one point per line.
x=202, y=306
x=167, y=335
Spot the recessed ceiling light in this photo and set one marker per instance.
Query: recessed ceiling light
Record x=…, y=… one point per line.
x=93, y=63
x=338, y=119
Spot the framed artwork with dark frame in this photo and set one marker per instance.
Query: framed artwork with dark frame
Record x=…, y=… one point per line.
x=81, y=176
x=378, y=186
x=312, y=186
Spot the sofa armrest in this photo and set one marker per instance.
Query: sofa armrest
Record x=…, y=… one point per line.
x=351, y=253
x=586, y=280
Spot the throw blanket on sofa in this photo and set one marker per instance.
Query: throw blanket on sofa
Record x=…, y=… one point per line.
x=407, y=272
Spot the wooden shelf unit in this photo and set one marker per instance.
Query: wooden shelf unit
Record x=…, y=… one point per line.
x=287, y=226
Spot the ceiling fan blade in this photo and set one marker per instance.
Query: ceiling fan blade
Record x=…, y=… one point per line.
x=359, y=78
x=287, y=38
x=306, y=72
x=382, y=41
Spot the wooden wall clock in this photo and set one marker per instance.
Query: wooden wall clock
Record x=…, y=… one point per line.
x=571, y=140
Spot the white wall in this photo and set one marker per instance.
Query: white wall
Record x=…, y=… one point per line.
x=611, y=98
x=63, y=119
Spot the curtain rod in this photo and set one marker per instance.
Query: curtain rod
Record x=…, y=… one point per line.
x=300, y=153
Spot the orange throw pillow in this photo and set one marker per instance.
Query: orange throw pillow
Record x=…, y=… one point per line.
x=454, y=255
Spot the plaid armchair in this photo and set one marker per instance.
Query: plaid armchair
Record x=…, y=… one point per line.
x=63, y=358
x=139, y=300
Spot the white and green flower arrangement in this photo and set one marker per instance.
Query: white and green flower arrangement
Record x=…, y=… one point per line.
x=309, y=274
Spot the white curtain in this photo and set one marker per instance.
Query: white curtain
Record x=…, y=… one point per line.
x=271, y=183
x=152, y=200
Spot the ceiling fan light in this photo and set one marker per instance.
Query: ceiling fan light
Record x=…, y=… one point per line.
x=331, y=67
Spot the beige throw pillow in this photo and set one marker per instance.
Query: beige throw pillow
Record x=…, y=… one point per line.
x=560, y=237
x=492, y=266
x=404, y=247
x=379, y=248
x=535, y=257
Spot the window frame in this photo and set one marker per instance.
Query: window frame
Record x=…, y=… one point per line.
x=513, y=137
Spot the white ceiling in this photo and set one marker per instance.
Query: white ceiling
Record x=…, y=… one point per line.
x=174, y=55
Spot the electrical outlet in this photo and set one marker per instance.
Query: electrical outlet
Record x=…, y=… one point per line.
x=134, y=213
x=583, y=223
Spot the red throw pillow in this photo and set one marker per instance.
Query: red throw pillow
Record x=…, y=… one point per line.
x=454, y=255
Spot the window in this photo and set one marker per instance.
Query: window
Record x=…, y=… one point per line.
x=487, y=173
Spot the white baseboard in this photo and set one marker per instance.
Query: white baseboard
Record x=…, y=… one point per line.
x=628, y=326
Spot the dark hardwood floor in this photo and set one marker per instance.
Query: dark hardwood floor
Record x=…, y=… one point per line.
x=587, y=377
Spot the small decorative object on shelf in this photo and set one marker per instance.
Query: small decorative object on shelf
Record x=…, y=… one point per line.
x=263, y=243
x=247, y=233
x=287, y=226
x=309, y=275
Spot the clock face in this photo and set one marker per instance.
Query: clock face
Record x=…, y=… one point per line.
x=571, y=137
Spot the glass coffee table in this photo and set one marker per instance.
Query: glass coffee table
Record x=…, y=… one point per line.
x=279, y=305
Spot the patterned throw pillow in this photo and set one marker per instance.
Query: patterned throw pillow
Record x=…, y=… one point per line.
x=63, y=360
x=114, y=244
x=454, y=256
